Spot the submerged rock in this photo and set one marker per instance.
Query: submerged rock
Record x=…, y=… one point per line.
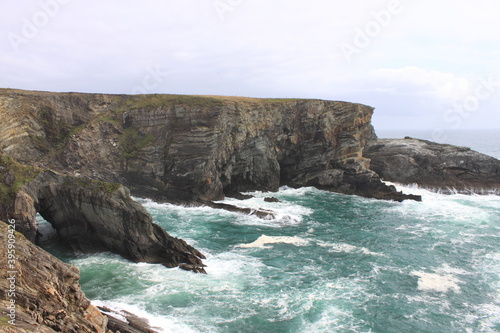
x=441, y=167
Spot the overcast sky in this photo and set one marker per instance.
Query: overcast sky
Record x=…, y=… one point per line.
x=421, y=64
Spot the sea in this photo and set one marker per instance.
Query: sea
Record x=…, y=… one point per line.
x=327, y=262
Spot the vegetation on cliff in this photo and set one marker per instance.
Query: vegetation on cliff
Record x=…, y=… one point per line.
x=13, y=176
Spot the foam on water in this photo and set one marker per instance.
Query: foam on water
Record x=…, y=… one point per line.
x=158, y=322
x=436, y=282
x=263, y=240
x=347, y=248
x=285, y=213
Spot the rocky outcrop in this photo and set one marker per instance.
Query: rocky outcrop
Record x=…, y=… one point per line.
x=92, y=216
x=441, y=167
x=40, y=293
x=195, y=148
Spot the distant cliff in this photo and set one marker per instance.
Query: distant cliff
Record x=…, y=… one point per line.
x=439, y=167
x=194, y=148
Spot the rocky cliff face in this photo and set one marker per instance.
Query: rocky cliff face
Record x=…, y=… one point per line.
x=40, y=293
x=440, y=167
x=191, y=148
x=90, y=216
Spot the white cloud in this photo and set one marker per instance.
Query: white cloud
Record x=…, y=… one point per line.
x=418, y=81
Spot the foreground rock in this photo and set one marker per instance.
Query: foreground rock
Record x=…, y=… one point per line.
x=441, y=167
x=129, y=324
x=190, y=148
x=46, y=293
x=91, y=216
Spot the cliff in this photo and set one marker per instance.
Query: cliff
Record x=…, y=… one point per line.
x=194, y=148
x=40, y=293
x=440, y=167
x=89, y=216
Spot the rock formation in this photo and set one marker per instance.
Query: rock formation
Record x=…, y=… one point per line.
x=441, y=167
x=194, y=148
x=40, y=293
x=91, y=216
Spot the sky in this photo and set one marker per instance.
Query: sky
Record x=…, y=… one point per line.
x=422, y=64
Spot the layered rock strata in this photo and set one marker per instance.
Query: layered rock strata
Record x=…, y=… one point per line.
x=195, y=148
x=40, y=293
x=440, y=167
x=92, y=216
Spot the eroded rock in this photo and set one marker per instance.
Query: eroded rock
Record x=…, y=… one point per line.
x=46, y=292
x=441, y=167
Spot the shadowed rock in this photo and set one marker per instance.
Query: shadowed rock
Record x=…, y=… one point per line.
x=93, y=216
x=188, y=148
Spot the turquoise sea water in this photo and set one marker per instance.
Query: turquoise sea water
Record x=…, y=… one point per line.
x=327, y=263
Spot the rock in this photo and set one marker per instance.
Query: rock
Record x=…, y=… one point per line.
x=441, y=167
x=93, y=216
x=133, y=323
x=271, y=199
x=261, y=213
x=46, y=292
x=189, y=148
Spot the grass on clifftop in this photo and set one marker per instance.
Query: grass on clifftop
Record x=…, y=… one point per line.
x=97, y=185
x=157, y=100
x=199, y=101
x=13, y=176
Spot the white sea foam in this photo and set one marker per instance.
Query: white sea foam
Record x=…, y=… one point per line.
x=437, y=282
x=162, y=324
x=348, y=248
x=263, y=240
x=285, y=213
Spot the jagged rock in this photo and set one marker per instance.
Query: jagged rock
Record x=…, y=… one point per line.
x=271, y=199
x=440, y=167
x=92, y=216
x=133, y=323
x=191, y=148
x=46, y=293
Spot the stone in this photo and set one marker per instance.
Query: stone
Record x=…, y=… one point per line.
x=93, y=216
x=47, y=297
x=439, y=167
x=183, y=149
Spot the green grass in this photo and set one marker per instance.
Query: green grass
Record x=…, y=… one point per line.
x=20, y=175
x=161, y=100
x=96, y=185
